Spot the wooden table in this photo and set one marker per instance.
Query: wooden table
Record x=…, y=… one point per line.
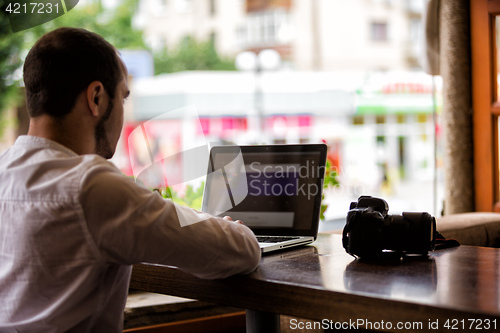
x=452, y=288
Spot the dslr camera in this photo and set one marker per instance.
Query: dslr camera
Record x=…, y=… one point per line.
x=370, y=232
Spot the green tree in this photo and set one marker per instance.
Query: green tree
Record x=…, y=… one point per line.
x=10, y=61
x=115, y=25
x=191, y=55
x=191, y=198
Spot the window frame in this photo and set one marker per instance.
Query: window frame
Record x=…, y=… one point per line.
x=485, y=104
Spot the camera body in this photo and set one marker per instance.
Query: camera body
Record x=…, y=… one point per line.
x=370, y=231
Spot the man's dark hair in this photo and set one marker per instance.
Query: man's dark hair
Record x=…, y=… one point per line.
x=62, y=64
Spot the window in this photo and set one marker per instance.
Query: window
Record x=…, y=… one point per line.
x=183, y=6
x=358, y=120
x=213, y=39
x=212, y=9
x=380, y=119
x=423, y=118
x=378, y=31
x=265, y=27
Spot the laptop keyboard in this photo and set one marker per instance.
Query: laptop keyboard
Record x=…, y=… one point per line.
x=275, y=239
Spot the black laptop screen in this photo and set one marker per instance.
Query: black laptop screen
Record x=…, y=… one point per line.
x=273, y=189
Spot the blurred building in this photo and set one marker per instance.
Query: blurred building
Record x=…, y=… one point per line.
x=379, y=126
x=366, y=35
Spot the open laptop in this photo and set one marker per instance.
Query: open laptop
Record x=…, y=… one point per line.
x=275, y=190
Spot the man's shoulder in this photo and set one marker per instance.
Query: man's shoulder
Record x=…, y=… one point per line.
x=49, y=155
x=93, y=160
x=31, y=149
x=38, y=164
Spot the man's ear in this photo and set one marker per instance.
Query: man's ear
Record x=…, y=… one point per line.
x=95, y=97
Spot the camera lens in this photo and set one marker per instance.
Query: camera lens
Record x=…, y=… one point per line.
x=409, y=232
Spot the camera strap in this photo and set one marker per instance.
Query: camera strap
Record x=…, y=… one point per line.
x=347, y=229
x=443, y=243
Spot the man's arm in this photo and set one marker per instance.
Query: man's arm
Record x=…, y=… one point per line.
x=129, y=224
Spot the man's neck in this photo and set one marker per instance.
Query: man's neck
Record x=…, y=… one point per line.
x=67, y=131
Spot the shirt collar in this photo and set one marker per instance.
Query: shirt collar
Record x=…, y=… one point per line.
x=35, y=141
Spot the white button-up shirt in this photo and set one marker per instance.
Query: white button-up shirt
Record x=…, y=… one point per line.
x=71, y=226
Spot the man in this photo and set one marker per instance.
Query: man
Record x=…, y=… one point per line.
x=71, y=225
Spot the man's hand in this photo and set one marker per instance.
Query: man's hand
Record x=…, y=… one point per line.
x=228, y=218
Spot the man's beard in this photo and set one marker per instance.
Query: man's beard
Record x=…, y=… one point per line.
x=102, y=147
